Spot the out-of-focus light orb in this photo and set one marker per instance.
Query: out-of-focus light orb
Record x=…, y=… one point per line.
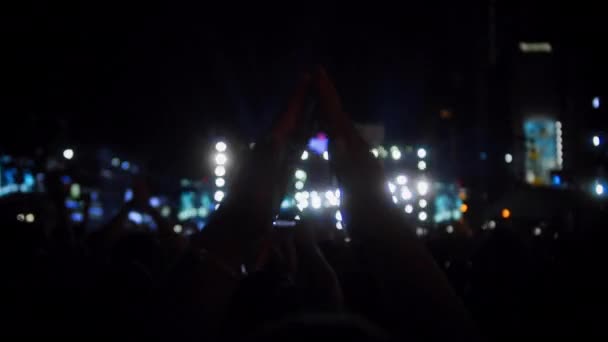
x=420, y=231
x=492, y=224
x=316, y=202
x=505, y=213
x=422, y=216
x=339, y=225
x=406, y=194
x=125, y=165
x=299, y=185
x=375, y=152
x=422, y=187
x=338, y=193
x=422, y=203
x=326, y=155
x=220, y=171
x=297, y=218
x=218, y=196
x=449, y=229
x=395, y=154
x=220, y=182
x=115, y=162
x=68, y=153
x=221, y=159
x=300, y=174
x=599, y=189
x=154, y=202
x=304, y=155
x=165, y=211
x=421, y=153
x=409, y=208
x=338, y=215
x=596, y=102
x=537, y=231
x=178, y=228
x=508, y=158
x=464, y=208
x=401, y=180
x=220, y=146
x=395, y=199
x=596, y=141
x=391, y=187
x=422, y=165
x=20, y=217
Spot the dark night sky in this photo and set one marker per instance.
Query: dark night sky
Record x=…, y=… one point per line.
x=161, y=74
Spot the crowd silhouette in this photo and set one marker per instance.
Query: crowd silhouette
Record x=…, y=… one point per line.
x=240, y=278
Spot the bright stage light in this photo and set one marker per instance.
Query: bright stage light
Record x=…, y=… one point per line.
x=300, y=174
x=338, y=215
x=177, y=228
x=339, y=225
x=220, y=159
x=409, y=208
x=422, y=165
x=218, y=196
x=395, y=153
x=422, y=187
x=508, y=158
x=220, y=182
x=220, y=171
x=68, y=153
x=599, y=189
x=374, y=151
x=391, y=187
x=299, y=185
x=596, y=141
x=304, y=155
x=421, y=153
x=326, y=155
x=406, y=194
x=422, y=216
x=422, y=203
x=221, y=146
x=401, y=179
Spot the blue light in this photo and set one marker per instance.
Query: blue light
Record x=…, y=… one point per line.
x=66, y=179
x=596, y=102
x=154, y=202
x=318, y=144
x=96, y=211
x=125, y=165
x=557, y=180
x=128, y=195
x=483, y=156
x=135, y=217
x=77, y=217
x=71, y=204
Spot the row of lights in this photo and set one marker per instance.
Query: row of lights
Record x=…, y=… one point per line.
x=422, y=187
x=28, y=218
x=220, y=160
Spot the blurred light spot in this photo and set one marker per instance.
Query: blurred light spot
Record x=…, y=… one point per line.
x=338, y=215
x=220, y=171
x=299, y=185
x=505, y=213
x=220, y=182
x=326, y=155
x=218, y=196
x=596, y=102
x=339, y=225
x=422, y=216
x=401, y=180
x=449, y=229
x=421, y=153
x=422, y=203
x=115, y=162
x=221, y=159
x=125, y=165
x=304, y=155
x=391, y=187
x=537, y=231
x=422, y=187
x=20, y=217
x=220, y=146
x=300, y=174
x=68, y=153
x=136, y=217
x=154, y=202
x=508, y=158
x=596, y=141
x=599, y=189
x=178, y=228
x=409, y=208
